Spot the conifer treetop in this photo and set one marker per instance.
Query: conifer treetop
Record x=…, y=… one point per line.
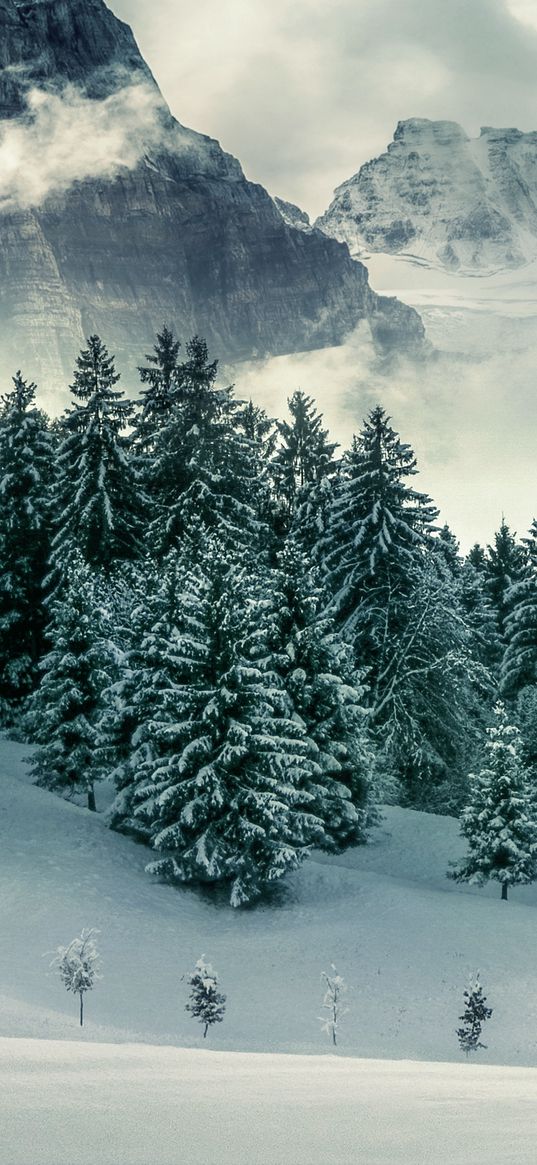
x=499, y=820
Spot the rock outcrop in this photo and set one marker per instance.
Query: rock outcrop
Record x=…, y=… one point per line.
x=179, y=237
x=468, y=204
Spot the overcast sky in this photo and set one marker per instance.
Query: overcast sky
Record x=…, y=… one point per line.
x=304, y=91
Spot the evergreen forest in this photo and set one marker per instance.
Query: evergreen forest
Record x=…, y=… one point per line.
x=256, y=636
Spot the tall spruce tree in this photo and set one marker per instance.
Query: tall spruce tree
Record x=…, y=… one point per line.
x=447, y=544
x=148, y=710
x=380, y=528
x=504, y=568
x=25, y=484
x=162, y=376
x=500, y=821
x=519, y=667
x=395, y=600
x=480, y=617
x=205, y=472
x=63, y=713
x=224, y=791
x=260, y=432
x=477, y=557
x=97, y=498
x=305, y=454
x=327, y=693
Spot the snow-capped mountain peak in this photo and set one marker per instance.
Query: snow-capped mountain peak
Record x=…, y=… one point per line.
x=467, y=204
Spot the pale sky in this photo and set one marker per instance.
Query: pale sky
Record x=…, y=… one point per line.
x=304, y=91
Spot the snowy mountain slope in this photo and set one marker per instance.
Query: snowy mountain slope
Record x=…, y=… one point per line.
x=75, y=1105
x=440, y=196
x=403, y=936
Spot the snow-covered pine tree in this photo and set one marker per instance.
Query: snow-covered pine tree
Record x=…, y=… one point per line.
x=379, y=531
x=205, y=472
x=261, y=433
x=394, y=600
x=78, y=966
x=313, y=514
x=525, y=715
x=25, y=481
x=473, y=1017
x=233, y=807
x=259, y=428
x=305, y=454
x=500, y=821
x=327, y=693
x=149, y=711
x=380, y=526
x=434, y=693
x=447, y=544
x=162, y=376
x=477, y=557
x=519, y=666
x=206, y=1003
x=504, y=568
x=98, y=508
x=62, y=718
x=481, y=620
x=336, y=989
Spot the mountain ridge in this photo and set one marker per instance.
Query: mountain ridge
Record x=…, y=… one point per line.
x=180, y=236
x=462, y=203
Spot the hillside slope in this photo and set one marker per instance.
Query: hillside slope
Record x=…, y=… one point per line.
x=403, y=936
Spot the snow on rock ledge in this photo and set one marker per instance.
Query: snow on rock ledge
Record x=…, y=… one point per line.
x=466, y=204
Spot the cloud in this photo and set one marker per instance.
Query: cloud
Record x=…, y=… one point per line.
x=66, y=137
x=304, y=92
x=475, y=447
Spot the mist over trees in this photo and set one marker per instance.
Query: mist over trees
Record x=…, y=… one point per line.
x=258, y=635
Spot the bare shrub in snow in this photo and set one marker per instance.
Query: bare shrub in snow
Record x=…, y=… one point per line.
x=336, y=989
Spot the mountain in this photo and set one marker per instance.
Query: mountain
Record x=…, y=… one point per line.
x=465, y=204
x=115, y=218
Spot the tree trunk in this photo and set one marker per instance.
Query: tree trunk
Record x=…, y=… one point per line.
x=91, y=799
x=81, y=1009
x=206, y=1030
x=504, y=891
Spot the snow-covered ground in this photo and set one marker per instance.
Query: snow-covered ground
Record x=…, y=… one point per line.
x=138, y=1086
x=420, y=283
x=404, y=937
x=81, y=1104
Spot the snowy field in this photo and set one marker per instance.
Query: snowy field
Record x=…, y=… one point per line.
x=138, y=1085
x=83, y=1105
x=403, y=936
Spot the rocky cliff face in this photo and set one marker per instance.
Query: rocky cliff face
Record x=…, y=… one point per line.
x=179, y=236
x=467, y=204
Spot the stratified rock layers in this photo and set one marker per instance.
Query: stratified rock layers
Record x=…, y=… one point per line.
x=181, y=238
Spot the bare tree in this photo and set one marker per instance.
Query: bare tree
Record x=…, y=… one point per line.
x=336, y=989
